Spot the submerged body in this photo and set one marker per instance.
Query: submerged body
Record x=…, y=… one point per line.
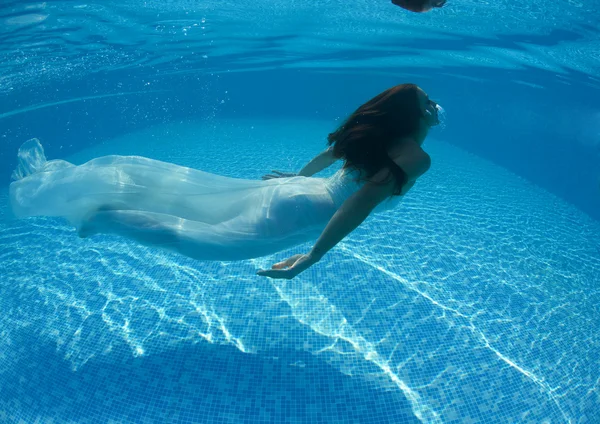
x=211, y=217
x=201, y=215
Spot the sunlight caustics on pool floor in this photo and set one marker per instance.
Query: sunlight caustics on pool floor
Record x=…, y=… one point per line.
x=474, y=301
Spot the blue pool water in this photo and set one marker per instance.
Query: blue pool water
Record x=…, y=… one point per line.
x=474, y=301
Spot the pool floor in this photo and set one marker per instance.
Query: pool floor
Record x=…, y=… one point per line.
x=475, y=301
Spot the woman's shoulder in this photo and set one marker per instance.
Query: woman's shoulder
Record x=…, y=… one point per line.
x=411, y=158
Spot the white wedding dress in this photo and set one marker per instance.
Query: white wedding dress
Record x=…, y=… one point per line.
x=198, y=214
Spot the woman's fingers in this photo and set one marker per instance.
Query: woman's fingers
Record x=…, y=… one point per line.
x=284, y=269
x=275, y=174
x=278, y=174
x=277, y=273
x=289, y=262
x=280, y=265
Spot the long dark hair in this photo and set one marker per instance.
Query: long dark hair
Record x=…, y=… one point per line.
x=364, y=139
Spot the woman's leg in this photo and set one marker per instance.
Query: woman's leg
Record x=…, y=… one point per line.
x=236, y=239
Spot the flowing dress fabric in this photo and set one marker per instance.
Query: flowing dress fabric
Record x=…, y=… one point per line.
x=201, y=215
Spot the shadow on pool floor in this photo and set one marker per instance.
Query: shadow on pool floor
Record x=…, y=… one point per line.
x=188, y=383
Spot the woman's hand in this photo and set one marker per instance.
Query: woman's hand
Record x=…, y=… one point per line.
x=289, y=268
x=278, y=174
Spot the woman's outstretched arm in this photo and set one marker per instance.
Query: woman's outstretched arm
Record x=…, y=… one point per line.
x=409, y=157
x=316, y=164
x=349, y=216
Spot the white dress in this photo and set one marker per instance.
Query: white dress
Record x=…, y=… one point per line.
x=201, y=215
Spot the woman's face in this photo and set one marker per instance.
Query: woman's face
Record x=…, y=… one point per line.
x=429, y=109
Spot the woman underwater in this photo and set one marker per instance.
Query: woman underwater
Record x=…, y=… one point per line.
x=211, y=217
